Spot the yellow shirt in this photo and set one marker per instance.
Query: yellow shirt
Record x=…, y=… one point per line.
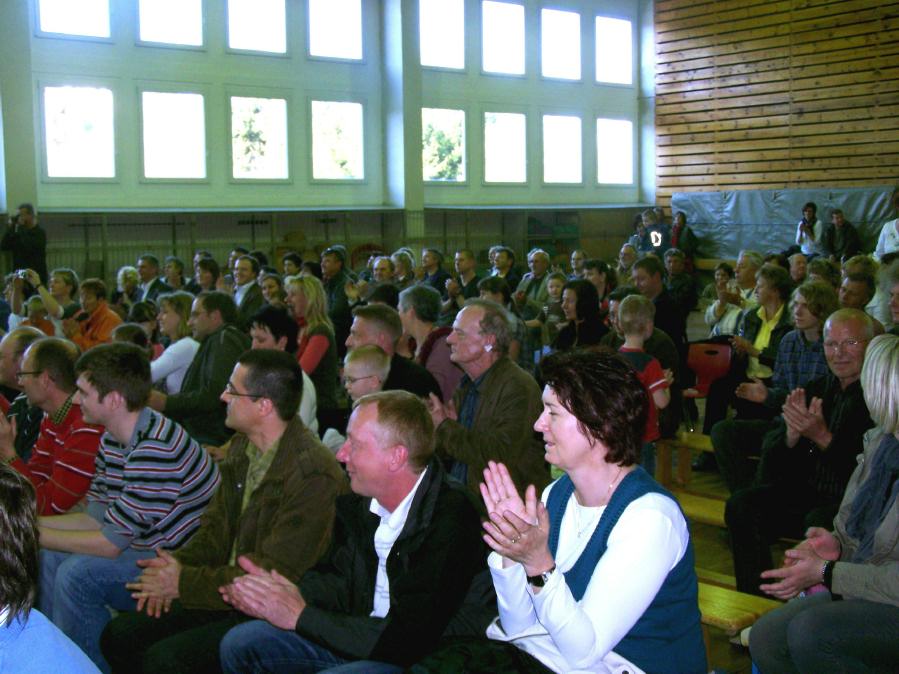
x=259, y=465
x=755, y=368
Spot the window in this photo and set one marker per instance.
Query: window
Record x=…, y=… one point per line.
x=335, y=28
x=615, y=151
x=88, y=18
x=257, y=25
x=614, y=51
x=172, y=21
x=560, y=44
x=337, y=141
x=441, y=33
x=259, y=138
x=505, y=143
x=503, y=37
x=174, y=135
x=443, y=144
x=561, y=149
x=78, y=131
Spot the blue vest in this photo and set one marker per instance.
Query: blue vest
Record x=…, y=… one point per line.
x=667, y=638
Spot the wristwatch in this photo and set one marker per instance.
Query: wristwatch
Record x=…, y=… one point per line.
x=827, y=574
x=541, y=579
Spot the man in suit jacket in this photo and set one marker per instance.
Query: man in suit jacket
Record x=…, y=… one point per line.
x=151, y=285
x=247, y=293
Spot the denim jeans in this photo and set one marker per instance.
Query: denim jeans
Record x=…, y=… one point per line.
x=258, y=647
x=77, y=591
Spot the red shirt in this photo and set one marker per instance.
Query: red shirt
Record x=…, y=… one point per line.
x=649, y=372
x=61, y=466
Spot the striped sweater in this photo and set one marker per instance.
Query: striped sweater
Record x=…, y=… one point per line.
x=151, y=492
x=62, y=463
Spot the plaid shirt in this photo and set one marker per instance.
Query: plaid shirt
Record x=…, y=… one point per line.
x=798, y=362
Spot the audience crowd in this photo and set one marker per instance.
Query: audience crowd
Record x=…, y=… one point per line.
x=174, y=501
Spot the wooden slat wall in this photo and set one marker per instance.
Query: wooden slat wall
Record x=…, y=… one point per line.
x=768, y=94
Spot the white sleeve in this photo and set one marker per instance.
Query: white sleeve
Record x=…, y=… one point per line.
x=710, y=318
x=177, y=356
x=308, y=405
x=799, y=233
x=516, y=608
x=881, y=248
x=649, y=539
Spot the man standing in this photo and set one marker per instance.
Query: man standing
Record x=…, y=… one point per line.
x=275, y=505
x=335, y=278
x=492, y=414
x=807, y=457
x=247, y=293
x=464, y=286
x=151, y=486
x=62, y=463
x=25, y=417
x=381, y=325
x=504, y=266
x=531, y=294
x=27, y=242
x=197, y=406
x=671, y=319
x=578, y=258
x=406, y=548
x=151, y=285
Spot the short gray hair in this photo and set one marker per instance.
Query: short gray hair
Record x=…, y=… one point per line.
x=754, y=257
x=495, y=322
x=424, y=300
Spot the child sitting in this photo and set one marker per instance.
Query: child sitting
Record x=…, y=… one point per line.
x=551, y=318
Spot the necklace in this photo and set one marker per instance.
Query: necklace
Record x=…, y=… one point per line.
x=590, y=524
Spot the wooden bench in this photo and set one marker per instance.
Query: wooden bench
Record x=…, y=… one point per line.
x=683, y=445
x=709, y=263
x=701, y=509
x=729, y=610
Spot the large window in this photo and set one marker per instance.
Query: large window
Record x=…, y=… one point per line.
x=614, y=51
x=257, y=25
x=335, y=28
x=337, y=139
x=443, y=144
x=88, y=18
x=503, y=37
x=560, y=44
x=615, y=151
x=561, y=149
x=172, y=21
x=174, y=135
x=79, y=134
x=259, y=138
x=505, y=147
x=442, y=33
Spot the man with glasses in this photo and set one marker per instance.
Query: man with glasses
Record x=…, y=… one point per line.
x=27, y=418
x=275, y=505
x=808, y=455
x=61, y=464
x=197, y=406
x=151, y=486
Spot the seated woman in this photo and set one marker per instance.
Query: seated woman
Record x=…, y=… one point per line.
x=59, y=297
x=598, y=575
x=317, y=349
x=273, y=290
x=172, y=365
x=585, y=326
x=127, y=291
x=723, y=284
x=207, y=276
x=857, y=562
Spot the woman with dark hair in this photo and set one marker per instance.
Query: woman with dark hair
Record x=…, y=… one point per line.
x=145, y=314
x=208, y=273
x=585, y=327
x=273, y=290
x=597, y=575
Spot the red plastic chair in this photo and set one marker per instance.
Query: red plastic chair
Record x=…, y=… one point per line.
x=709, y=362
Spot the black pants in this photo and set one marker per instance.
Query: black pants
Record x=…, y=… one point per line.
x=722, y=395
x=735, y=440
x=757, y=516
x=476, y=655
x=183, y=641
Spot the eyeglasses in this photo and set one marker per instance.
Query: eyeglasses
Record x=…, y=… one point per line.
x=352, y=380
x=231, y=391
x=845, y=344
x=33, y=373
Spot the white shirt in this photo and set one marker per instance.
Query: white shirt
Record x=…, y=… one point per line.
x=144, y=287
x=307, y=410
x=807, y=244
x=388, y=531
x=888, y=241
x=172, y=363
x=240, y=291
x=648, y=541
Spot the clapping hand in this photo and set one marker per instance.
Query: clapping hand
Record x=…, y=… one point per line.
x=265, y=594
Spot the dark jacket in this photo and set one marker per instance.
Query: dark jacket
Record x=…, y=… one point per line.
x=251, y=303
x=28, y=247
x=407, y=375
x=198, y=407
x=430, y=569
x=339, y=308
x=672, y=320
x=286, y=525
x=503, y=428
x=749, y=324
x=841, y=243
x=157, y=287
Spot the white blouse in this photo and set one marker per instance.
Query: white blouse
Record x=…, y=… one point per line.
x=650, y=538
x=888, y=241
x=172, y=363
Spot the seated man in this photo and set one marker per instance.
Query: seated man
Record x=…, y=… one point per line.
x=94, y=325
x=406, y=547
x=29, y=643
x=679, y=284
x=798, y=268
x=381, y=325
x=247, y=294
x=62, y=463
x=197, y=406
x=840, y=240
x=807, y=457
x=151, y=486
x=648, y=277
x=856, y=292
x=275, y=505
x=492, y=414
x=26, y=417
x=800, y=359
x=722, y=315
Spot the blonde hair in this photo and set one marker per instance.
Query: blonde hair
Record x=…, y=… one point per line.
x=880, y=382
x=635, y=313
x=316, y=300
x=371, y=356
x=180, y=302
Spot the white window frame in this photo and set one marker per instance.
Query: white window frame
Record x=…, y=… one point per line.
x=288, y=47
x=39, y=32
x=171, y=45
x=555, y=112
x=174, y=88
x=338, y=59
x=528, y=149
x=340, y=97
x=466, y=155
x=243, y=92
